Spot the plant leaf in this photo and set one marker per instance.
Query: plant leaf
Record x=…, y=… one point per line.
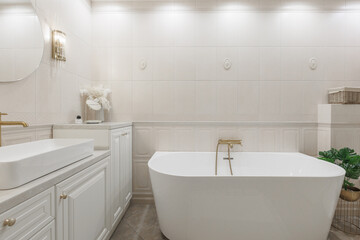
x=345, y=158
x=93, y=104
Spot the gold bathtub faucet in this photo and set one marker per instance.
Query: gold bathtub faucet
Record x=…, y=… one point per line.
x=230, y=144
x=2, y=123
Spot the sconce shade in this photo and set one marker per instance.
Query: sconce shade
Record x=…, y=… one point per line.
x=58, y=45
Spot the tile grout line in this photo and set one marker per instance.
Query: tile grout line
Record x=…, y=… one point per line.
x=136, y=233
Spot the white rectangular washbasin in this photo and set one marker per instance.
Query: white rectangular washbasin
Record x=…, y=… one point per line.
x=22, y=163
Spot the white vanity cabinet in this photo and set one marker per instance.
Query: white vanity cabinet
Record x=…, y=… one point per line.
x=76, y=204
x=83, y=203
x=116, y=137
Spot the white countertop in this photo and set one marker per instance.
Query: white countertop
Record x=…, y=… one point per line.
x=11, y=198
x=104, y=125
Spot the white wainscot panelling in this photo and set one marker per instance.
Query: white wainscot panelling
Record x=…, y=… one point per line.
x=205, y=139
x=184, y=139
x=250, y=137
x=141, y=178
x=151, y=137
x=203, y=136
x=164, y=138
x=290, y=140
x=143, y=140
x=310, y=140
x=17, y=135
x=44, y=133
x=269, y=140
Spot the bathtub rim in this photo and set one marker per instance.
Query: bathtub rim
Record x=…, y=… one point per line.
x=157, y=153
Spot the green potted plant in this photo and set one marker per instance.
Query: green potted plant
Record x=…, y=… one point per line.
x=350, y=162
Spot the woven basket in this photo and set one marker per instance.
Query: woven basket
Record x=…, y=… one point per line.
x=347, y=217
x=344, y=95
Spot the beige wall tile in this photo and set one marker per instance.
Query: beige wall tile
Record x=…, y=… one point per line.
x=51, y=93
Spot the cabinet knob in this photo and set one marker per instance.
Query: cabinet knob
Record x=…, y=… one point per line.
x=124, y=134
x=9, y=222
x=63, y=196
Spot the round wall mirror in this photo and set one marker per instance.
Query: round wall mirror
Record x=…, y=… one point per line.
x=21, y=40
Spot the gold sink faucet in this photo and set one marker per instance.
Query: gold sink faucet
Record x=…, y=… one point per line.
x=8, y=123
x=230, y=144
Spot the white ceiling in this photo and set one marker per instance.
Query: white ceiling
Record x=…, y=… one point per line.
x=14, y=1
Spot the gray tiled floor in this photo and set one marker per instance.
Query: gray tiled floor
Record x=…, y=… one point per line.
x=140, y=223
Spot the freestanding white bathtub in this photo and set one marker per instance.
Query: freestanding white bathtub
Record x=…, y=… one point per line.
x=276, y=196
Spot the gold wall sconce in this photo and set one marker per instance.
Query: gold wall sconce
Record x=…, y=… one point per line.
x=58, y=45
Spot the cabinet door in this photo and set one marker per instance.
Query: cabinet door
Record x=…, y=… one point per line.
x=29, y=217
x=47, y=233
x=126, y=169
x=121, y=171
x=116, y=204
x=83, y=204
